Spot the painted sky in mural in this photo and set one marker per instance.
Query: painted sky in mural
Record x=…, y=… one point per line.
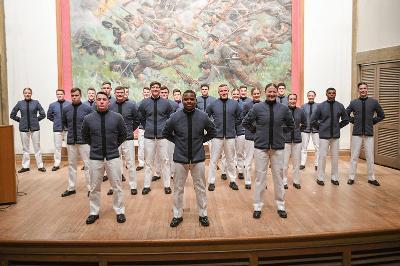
x=180, y=43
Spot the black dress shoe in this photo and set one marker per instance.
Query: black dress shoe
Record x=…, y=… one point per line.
x=155, y=178
x=121, y=218
x=123, y=178
x=282, y=214
x=68, y=193
x=139, y=168
x=204, y=220
x=22, y=170
x=233, y=186
x=302, y=167
x=247, y=186
x=257, y=214
x=350, y=182
x=105, y=178
x=296, y=185
x=42, y=169
x=285, y=186
x=211, y=187
x=176, y=221
x=133, y=191
x=167, y=190
x=335, y=182
x=224, y=177
x=88, y=194
x=110, y=192
x=316, y=168
x=55, y=168
x=321, y=183
x=83, y=168
x=374, y=182
x=240, y=176
x=91, y=219
x=146, y=190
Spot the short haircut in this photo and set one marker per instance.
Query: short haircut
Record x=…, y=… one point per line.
x=255, y=89
x=146, y=88
x=281, y=84
x=330, y=89
x=106, y=83
x=362, y=83
x=163, y=88
x=119, y=88
x=235, y=89
x=205, y=85
x=189, y=91
x=27, y=88
x=155, y=83
x=270, y=85
x=312, y=92
x=101, y=92
x=242, y=87
x=76, y=89
x=60, y=90
x=176, y=90
x=291, y=95
x=91, y=89
x=221, y=86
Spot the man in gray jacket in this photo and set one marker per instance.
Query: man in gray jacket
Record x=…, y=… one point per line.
x=366, y=113
x=73, y=116
x=329, y=117
x=204, y=99
x=281, y=94
x=186, y=130
x=55, y=114
x=268, y=120
x=105, y=131
x=226, y=116
x=29, y=128
x=146, y=94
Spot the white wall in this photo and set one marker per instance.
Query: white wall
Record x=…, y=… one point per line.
x=378, y=24
x=31, y=42
x=327, y=52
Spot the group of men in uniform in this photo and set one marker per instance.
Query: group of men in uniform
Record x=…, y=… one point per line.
x=239, y=131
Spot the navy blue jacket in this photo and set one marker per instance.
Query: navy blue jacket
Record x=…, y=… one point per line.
x=104, y=132
x=130, y=113
x=282, y=99
x=246, y=108
x=73, y=116
x=326, y=118
x=299, y=118
x=226, y=117
x=186, y=130
x=243, y=101
x=309, y=109
x=92, y=104
x=55, y=114
x=153, y=115
x=203, y=102
x=269, y=120
x=29, y=119
x=366, y=113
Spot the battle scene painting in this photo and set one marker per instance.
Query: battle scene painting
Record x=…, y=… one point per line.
x=181, y=43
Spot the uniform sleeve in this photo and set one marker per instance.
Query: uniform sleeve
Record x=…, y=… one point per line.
x=85, y=130
x=289, y=122
x=42, y=113
x=350, y=110
x=344, y=117
x=135, y=117
x=14, y=112
x=64, y=119
x=209, y=110
x=50, y=113
x=314, y=120
x=238, y=115
x=122, y=134
x=303, y=122
x=168, y=130
x=380, y=114
x=211, y=131
x=142, y=114
x=249, y=121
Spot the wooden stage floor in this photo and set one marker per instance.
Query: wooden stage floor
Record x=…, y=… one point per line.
x=43, y=216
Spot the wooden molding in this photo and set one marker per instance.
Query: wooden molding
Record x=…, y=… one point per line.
x=354, y=66
x=4, y=120
x=379, y=55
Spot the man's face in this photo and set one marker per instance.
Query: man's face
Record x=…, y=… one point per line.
x=155, y=90
x=271, y=93
x=120, y=95
x=60, y=95
x=177, y=96
x=164, y=94
x=331, y=95
x=146, y=94
x=311, y=97
x=292, y=100
x=126, y=95
x=281, y=90
x=243, y=92
x=363, y=90
x=256, y=95
x=235, y=95
x=27, y=94
x=102, y=102
x=75, y=97
x=204, y=91
x=223, y=92
x=107, y=89
x=189, y=101
x=91, y=95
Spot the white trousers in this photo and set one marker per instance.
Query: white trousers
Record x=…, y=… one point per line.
x=324, y=145
x=248, y=160
x=26, y=141
x=262, y=159
x=141, y=147
x=292, y=150
x=305, y=139
x=197, y=171
x=239, y=142
x=73, y=152
x=58, y=141
x=356, y=143
x=219, y=145
x=150, y=148
x=113, y=169
x=128, y=151
x=171, y=147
